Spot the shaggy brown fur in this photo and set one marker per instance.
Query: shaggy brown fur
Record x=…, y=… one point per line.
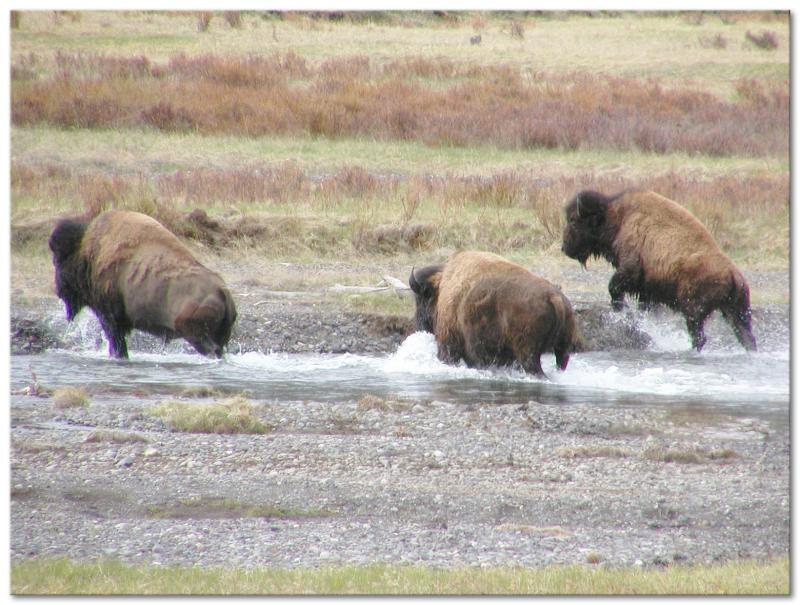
x=662, y=254
x=134, y=273
x=488, y=311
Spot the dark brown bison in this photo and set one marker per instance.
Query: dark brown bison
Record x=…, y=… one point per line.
x=662, y=254
x=134, y=273
x=488, y=311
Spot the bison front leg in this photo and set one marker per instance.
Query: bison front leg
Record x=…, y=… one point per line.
x=623, y=281
x=117, y=345
x=695, y=325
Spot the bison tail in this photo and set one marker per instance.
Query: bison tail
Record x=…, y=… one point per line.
x=739, y=296
x=563, y=333
x=738, y=311
x=226, y=325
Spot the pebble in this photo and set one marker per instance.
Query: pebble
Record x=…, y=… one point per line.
x=126, y=461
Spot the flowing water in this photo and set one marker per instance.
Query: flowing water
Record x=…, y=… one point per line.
x=723, y=378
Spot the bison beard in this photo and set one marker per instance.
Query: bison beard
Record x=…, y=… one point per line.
x=134, y=274
x=662, y=254
x=489, y=311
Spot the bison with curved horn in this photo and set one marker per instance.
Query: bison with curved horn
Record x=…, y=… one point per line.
x=135, y=274
x=662, y=254
x=489, y=311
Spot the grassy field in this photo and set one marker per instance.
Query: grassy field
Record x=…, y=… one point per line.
x=339, y=132
x=61, y=576
x=675, y=47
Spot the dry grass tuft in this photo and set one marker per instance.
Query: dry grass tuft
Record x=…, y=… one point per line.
x=689, y=455
x=228, y=417
x=719, y=41
x=70, y=397
x=370, y=402
x=103, y=436
x=592, y=451
x=534, y=530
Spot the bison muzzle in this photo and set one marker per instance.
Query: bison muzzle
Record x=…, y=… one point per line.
x=662, y=254
x=488, y=311
x=135, y=274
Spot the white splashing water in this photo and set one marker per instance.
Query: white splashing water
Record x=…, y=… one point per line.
x=670, y=369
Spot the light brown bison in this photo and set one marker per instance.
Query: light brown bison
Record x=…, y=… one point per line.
x=662, y=254
x=133, y=273
x=488, y=311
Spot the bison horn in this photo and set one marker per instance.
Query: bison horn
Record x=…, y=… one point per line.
x=578, y=205
x=412, y=281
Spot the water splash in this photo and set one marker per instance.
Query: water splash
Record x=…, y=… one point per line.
x=723, y=375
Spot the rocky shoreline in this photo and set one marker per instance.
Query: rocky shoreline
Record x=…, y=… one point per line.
x=398, y=481
x=377, y=480
x=270, y=324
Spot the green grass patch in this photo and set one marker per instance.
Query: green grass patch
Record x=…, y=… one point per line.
x=229, y=508
x=379, y=303
x=62, y=576
x=153, y=152
x=234, y=415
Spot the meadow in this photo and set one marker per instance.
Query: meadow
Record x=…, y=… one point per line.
x=353, y=126
x=392, y=139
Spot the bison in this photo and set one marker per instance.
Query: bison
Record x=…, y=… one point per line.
x=486, y=310
x=133, y=273
x=662, y=254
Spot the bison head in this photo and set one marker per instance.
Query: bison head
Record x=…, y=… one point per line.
x=65, y=244
x=586, y=232
x=424, y=283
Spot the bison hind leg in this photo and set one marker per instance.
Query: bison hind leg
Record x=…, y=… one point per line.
x=533, y=365
x=741, y=323
x=695, y=325
x=562, y=358
x=205, y=346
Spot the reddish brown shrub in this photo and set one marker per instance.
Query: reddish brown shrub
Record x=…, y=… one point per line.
x=766, y=40
x=203, y=20
x=233, y=18
x=346, y=97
